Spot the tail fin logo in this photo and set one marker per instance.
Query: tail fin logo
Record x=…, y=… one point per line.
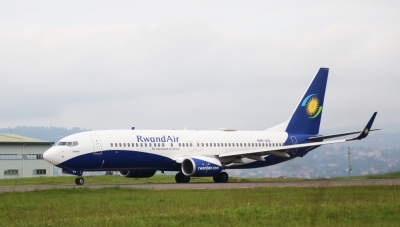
x=311, y=104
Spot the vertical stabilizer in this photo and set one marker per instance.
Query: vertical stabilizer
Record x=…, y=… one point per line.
x=306, y=118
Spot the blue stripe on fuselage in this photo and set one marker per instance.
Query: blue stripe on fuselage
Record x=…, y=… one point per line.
x=272, y=159
x=118, y=160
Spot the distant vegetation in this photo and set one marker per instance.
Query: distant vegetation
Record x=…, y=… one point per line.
x=52, y=134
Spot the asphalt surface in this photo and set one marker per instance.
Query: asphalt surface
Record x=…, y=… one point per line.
x=164, y=186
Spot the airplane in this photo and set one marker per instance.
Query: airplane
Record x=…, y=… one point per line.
x=197, y=153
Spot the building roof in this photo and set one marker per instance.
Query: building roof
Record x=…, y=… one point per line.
x=16, y=139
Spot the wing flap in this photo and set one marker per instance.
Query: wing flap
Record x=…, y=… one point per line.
x=320, y=138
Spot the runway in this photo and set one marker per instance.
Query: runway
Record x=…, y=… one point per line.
x=166, y=186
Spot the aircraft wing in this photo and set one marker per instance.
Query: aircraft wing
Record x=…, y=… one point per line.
x=324, y=137
x=281, y=151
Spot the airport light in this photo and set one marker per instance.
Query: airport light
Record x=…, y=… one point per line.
x=348, y=152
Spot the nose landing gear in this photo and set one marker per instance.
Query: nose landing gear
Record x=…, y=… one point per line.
x=79, y=180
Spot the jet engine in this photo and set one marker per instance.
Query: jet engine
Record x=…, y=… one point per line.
x=200, y=166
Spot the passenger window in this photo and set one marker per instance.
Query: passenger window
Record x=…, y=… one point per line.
x=145, y=144
x=128, y=144
x=256, y=144
x=159, y=145
x=225, y=145
x=133, y=145
x=244, y=144
x=232, y=145
x=149, y=144
x=116, y=144
x=141, y=144
x=172, y=145
x=187, y=145
x=120, y=144
x=163, y=144
x=206, y=144
x=217, y=144
x=202, y=144
x=124, y=145
x=111, y=144
x=137, y=144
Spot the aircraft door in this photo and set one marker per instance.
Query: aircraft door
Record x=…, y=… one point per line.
x=294, y=142
x=97, y=149
x=198, y=146
x=191, y=144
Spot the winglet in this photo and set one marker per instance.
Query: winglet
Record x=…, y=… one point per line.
x=364, y=133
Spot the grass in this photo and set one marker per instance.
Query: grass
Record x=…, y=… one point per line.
x=309, y=206
x=394, y=175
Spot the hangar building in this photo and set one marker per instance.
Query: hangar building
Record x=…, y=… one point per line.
x=23, y=157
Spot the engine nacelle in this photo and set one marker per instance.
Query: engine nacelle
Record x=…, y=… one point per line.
x=137, y=173
x=200, y=166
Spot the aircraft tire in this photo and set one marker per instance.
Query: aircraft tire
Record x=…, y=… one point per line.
x=177, y=178
x=223, y=177
x=185, y=179
x=79, y=181
x=216, y=179
x=181, y=178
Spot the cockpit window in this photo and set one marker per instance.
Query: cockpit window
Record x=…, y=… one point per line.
x=75, y=143
x=61, y=143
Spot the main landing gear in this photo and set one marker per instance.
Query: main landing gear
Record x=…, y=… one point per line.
x=181, y=178
x=222, y=177
x=79, y=180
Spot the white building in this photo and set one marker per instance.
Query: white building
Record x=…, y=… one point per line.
x=23, y=157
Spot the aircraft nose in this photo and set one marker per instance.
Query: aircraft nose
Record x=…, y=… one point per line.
x=51, y=155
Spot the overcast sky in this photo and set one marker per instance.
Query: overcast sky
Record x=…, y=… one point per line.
x=199, y=64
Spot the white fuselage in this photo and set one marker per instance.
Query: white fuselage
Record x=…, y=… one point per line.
x=110, y=149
